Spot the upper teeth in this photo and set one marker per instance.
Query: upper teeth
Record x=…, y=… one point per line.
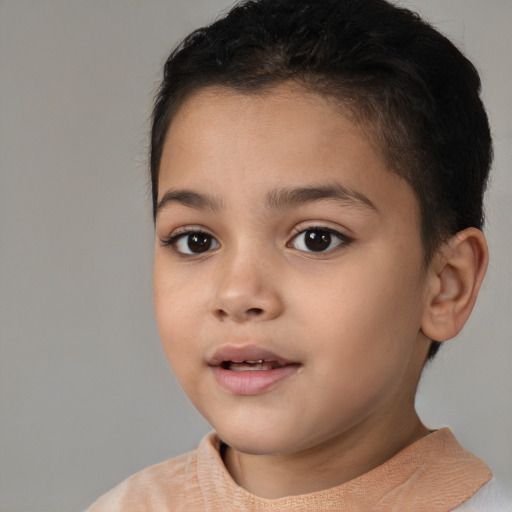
x=246, y=365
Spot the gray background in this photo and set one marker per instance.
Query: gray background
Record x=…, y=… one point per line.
x=86, y=397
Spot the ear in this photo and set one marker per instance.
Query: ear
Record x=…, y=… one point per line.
x=455, y=275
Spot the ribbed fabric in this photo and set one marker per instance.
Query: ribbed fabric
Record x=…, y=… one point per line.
x=435, y=474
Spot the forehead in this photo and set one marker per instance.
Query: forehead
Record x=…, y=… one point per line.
x=274, y=116
x=225, y=142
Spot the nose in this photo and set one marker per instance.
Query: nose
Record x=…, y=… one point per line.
x=246, y=289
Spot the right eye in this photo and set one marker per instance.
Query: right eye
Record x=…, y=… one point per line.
x=319, y=240
x=193, y=242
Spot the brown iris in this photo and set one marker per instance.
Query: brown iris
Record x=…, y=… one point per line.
x=317, y=240
x=199, y=242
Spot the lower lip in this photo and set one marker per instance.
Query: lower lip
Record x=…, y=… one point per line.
x=251, y=382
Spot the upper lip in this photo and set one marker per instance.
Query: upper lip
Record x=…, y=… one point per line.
x=241, y=353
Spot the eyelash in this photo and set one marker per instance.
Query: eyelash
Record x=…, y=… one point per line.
x=173, y=240
x=343, y=240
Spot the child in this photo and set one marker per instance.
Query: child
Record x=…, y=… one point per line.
x=318, y=168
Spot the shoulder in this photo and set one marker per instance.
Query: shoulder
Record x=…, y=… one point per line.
x=160, y=487
x=492, y=497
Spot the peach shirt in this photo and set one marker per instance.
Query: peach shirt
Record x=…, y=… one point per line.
x=434, y=474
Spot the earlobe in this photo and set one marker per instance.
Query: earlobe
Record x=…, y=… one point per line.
x=455, y=276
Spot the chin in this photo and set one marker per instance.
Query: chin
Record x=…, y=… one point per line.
x=256, y=442
x=266, y=439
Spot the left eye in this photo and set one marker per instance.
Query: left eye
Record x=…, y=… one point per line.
x=318, y=240
x=194, y=243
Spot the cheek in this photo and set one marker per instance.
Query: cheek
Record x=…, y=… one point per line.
x=359, y=351
x=177, y=307
x=352, y=311
x=178, y=340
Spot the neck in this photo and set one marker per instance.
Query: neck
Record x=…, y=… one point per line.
x=324, y=466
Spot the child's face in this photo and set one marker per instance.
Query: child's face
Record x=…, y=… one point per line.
x=290, y=242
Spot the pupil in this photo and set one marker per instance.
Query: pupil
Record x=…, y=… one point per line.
x=318, y=240
x=199, y=242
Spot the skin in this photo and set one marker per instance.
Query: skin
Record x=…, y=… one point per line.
x=350, y=316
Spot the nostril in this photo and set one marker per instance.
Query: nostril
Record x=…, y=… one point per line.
x=220, y=313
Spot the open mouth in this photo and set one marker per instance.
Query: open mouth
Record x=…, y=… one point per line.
x=247, y=358
x=244, y=366
x=249, y=369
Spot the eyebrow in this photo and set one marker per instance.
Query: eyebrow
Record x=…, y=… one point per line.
x=191, y=199
x=278, y=199
x=293, y=197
